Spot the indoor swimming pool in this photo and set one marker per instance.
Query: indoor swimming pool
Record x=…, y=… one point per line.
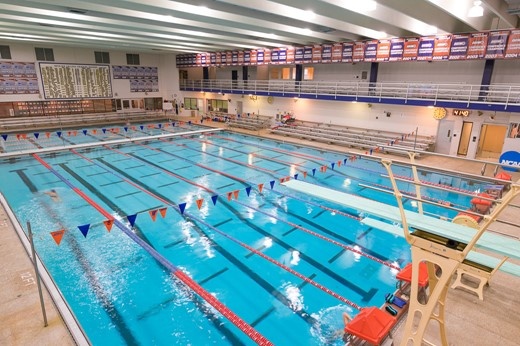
x=209, y=208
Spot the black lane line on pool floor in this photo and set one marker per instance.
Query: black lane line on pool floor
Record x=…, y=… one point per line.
x=226, y=254
x=111, y=310
x=199, y=303
x=277, y=240
x=213, y=276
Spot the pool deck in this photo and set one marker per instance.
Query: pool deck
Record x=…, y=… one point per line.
x=470, y=321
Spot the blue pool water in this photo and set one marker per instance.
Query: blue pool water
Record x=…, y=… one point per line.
x=123, y=296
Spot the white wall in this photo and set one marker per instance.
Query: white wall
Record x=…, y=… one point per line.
x=506, y=71
x=168, y=74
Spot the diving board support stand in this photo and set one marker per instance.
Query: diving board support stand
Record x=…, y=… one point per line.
x=417, y=181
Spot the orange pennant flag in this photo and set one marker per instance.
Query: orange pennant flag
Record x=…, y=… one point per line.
x=153, y=214
x=18, y=136
x=57, y=235
x=305, y=174
x=260, y=187
x=235, y=193
x=94, y=131
x=229, y=195
x=163, y=211
x=24, y=135
x=339, y=163
x=108, y=224
x=282, y=180
x=75, y=133
x=47, y=134
x=199, y=202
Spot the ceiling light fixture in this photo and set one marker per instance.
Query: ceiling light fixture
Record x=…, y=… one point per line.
x=362, y=6
x=477, y=10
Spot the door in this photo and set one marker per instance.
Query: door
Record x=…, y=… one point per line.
x=444, y=136
x=491, y=141
x=239, y=107
x=465, y=137
x=234, y=78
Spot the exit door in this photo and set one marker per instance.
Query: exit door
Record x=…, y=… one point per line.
x=465, y=137
x=444, y=136
x=491, y=141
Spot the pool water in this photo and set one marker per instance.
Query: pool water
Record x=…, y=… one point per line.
x=123, y=296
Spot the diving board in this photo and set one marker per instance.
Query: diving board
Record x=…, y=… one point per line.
x=440, y=244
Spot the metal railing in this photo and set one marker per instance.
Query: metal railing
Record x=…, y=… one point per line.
x=498, y=94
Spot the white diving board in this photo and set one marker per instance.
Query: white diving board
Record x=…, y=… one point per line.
x=502, y=245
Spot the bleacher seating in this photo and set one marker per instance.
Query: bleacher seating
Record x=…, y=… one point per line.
x=366, y=139
x=253, y=122
x=63, y=121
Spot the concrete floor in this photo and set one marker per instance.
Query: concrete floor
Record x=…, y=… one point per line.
x=469, y=321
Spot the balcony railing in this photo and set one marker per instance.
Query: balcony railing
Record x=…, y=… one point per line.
x=496, y=97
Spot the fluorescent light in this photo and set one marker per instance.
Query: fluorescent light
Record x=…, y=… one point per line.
x=477, y=10
x=361, y=6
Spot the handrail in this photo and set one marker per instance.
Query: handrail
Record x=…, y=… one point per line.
x=496, y=94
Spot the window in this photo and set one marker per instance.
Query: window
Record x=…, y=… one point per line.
x=308, y=73
x=132, y=59
x=286, y=73
x=5, y=52
x=44, y=54
x=274, y=73
x=102, y=57
x=218, y=106
x=190, y=103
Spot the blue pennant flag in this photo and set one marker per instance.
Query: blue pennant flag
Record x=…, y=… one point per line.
x=272, y=184
x=159, y=125
x=332, y=165
x=313, y=171
x=189, y=122
x=85, y=132
x=345, y=161
x=371, y=151
x=36, y=135
x=392, y=143
x=104, y=130
x=5, y=137
x=173, y=124
x=58, y=133
x=214, y=199
x=182, y=206
x=84, y=229
x=126, y=129
x=248, y=190
x=141, y=127
x=131, y=219
x=296, y=176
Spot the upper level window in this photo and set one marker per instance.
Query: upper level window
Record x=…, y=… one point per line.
x=5, y=52
x=44, y=54
x=132, y=59
x=102, y=57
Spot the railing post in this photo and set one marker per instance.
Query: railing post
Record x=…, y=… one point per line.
x=406, y=96
x=508, y=97
x=37, y=273
x=470, y=92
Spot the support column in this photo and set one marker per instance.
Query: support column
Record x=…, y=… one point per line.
x=486, y=79
x=374, y=68
x=299, y=77
x=205, y=73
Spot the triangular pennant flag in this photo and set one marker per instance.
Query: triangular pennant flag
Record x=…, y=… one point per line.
x=304, y=174
x=141, y=127
x=235, y=193
x=84, y=229
x=36, y=135
x=248, y=190
x=272, y=184
x=162, y=211
x=18, y=136
x=58, y=133
x=133, y=128
x=173, y=124
x=69, y=133
x=214, y=199
x=108, y=224
x=166, y=125
x=104, y=130
x=131, y=219
x=85, y=132
x=94, y=131
x=339, y=163
x=47, y=134
x=75, y=133
x=57, y=235
x=4, y=137
x=159, y=125
x=282, y=180
x=182, y=206
x=24, y=135
x=229, y=195
x=153, y=214
x=126, y=129
x=296, y=176
x=345, y=161
x=189, y=122
x=313, y=171
x=199, y=202
x=260, y=187
x=371, y=151
x=331, y=165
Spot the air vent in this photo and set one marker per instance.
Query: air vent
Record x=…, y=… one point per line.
x=77, y=11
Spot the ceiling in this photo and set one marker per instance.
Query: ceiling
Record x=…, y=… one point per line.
x=192, y=26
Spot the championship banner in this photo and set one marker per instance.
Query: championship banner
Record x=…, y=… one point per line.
x=496, y=45
x=290, y=55
x=477, y=45
x=513, y=45
x=383, y=50
x=234, y=58
x=203, y=60
x=218, y=59
x=274, y=55
x=229, y=58
x=411, y=46
x=198, y=59
x=358, y=53
x=223, y=58
x=459, y=47
x=254, y=55
x=241, y=58
x=298, y=54
x=337, y=49
x=307, y=54
x=370, y=53
x=396, y=49
x=282, y=55
x=247, y=57
x=347, y=52
x=316, y=54
x=326, y=53
x=425, y=50
x=441, y=48
x=267, y=56
x=259, y=57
